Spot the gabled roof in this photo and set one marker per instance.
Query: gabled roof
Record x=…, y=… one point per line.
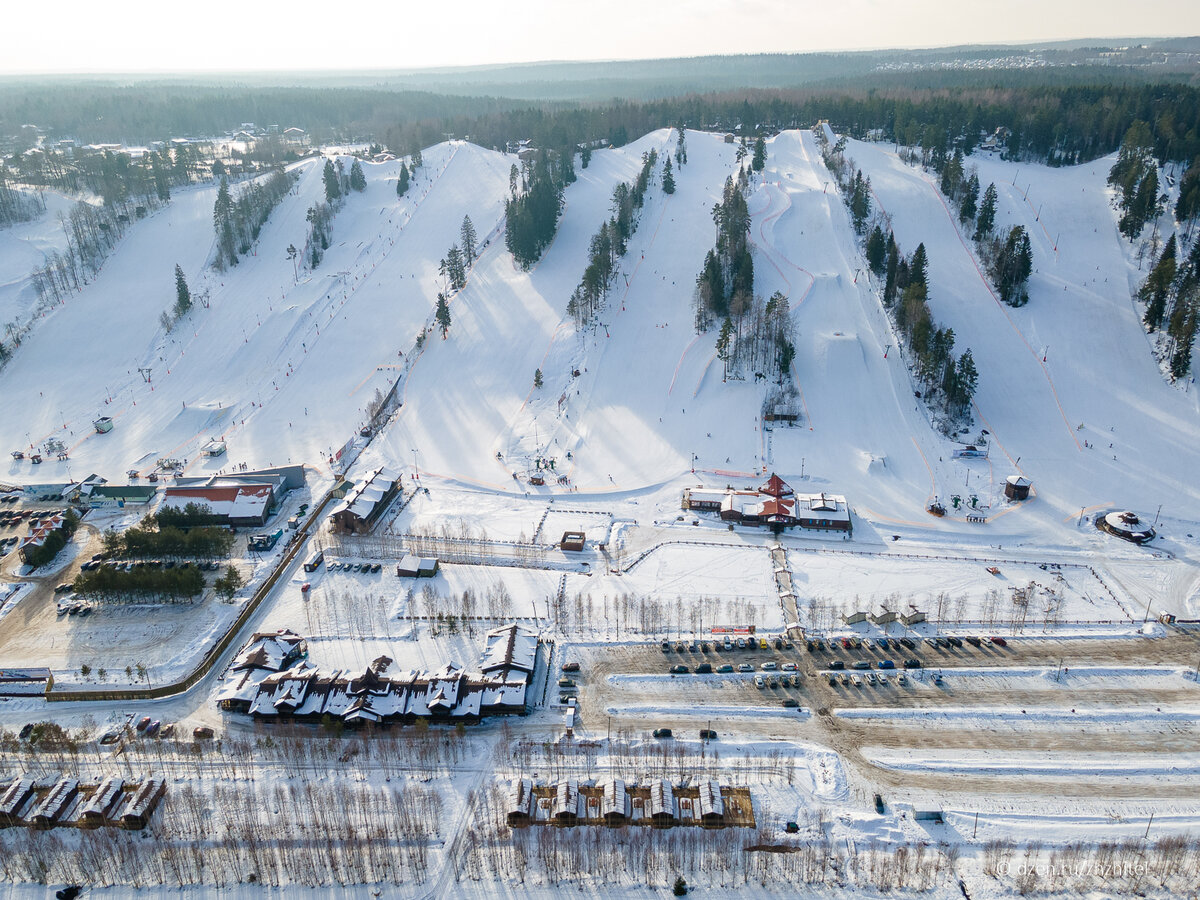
x=776, y=487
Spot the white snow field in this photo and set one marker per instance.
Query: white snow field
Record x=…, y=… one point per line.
x=282, y=367
x=1091, y=752
x=1073, y=365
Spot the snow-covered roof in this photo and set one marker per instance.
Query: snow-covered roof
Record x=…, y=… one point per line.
x=510, y=647
x=362, y=499
x=232, y=501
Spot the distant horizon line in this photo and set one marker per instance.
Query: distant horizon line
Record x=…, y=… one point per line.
x=312, y=72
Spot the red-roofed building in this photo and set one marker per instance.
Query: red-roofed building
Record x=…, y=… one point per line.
x=242, y=505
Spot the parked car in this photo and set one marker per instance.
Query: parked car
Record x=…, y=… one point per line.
x=912, y=664
x=862, y=664
x=745, y=667
x=306, y=587
x=808, y=645
x=901, y=678
x=570, y=667
x=769, y=666
x=871, y=678
x=778, y=643
x=662, y=732
x=883, y=643
x=566, y=683
x=707, y=734
x=168, y=729
x=857, y=681
x=679, y=669
x=886, y=664
x=666, y=646
x=741, y=643
x=791, y=703
x=999, y=641
x=760, y=682
x=704, y=648
x=833, y=680
x=704, y=669
x=954, y=641
x=153, y=727
x=974, y=641
x=725, y=669
x=110, y=737
x=907, y=643
x=937, y=678
x=837, y=664
x=202, y=733
x=143, y=723
x=788, y=667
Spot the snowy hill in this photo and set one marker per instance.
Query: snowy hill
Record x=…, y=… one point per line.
x=283, y=362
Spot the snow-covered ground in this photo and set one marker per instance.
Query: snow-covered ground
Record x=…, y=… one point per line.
x=647, y=415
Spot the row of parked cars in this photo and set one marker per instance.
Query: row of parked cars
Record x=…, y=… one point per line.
x=339, y=566
x=816, y=645
x=741, y=643
x=872, y=679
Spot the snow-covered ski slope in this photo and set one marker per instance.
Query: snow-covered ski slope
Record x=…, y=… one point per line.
x=1071, y=373
x=282, y=362
x=281, y=366
x=23, y=248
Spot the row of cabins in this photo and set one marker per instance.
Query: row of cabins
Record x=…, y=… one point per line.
x=271, y=681
x=612, y=802
x=112, y=802
x=774, y=504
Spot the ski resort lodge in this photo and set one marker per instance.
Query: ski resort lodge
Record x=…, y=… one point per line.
x=244, y=500
x=364, y=503
x=774, y=504
x=450, y=694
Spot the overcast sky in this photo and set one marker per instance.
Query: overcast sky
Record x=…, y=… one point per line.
x=92, y=36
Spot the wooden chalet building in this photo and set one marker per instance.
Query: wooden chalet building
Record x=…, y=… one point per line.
x=359, y=510
x=374, y=696
x=775, y=505
x=614, y=803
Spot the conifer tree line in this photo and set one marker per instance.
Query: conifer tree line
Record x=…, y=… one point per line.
x=338, y=186
x=238, y=221
x=531, y=213
x=1171, y=293
x=453, y=268
x=1008, y=258
x=609, y=243
x=725, y=285
x=1134, y=177
x=754, y=335
x=947, y=382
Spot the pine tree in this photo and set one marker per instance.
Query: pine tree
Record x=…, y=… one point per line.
x=760, y=155
x=402, y=181
x=442, y=315
x=681, y=888
x=537, y=378
x=668, y=179
x=183, y=296
x=918, y=268
x=877, y=251
x=970, y=199
x=358, y=181
x=223, y=223
x=333, y=189
x=986, y=220
x=417, y=162
x=724, y=340
x=965, y=381
x=467, y=234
